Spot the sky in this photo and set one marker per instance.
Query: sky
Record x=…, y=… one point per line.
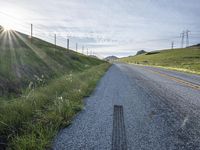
x=106, y=27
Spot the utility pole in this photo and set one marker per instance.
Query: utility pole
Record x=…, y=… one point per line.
x=31, y=32
x=55, y=40
x=182, y=38
x=87, y=51
x=82, y=49
x=187, y=37
x=172, y=45
x=68, y=43
x=76, y=47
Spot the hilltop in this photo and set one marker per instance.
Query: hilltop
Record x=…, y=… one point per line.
x=110, y=58
x=24, y=61
x=194, y=46
x=184, y=59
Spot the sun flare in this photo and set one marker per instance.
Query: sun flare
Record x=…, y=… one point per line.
x=6, y=28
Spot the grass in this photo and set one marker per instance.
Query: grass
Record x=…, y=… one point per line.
x=186, y=59
x=31, y=121
x=42, y=87
x=23, y=61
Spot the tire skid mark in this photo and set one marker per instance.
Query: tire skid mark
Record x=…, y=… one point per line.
x=119, y=133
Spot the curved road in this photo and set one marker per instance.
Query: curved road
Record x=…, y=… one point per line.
x=161, y=111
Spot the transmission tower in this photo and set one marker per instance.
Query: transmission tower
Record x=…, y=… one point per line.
x=187, y=37
x=182, y=38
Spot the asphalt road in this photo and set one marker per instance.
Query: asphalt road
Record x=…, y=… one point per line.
x=161, y=111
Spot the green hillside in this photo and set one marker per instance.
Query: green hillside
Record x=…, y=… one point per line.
x=186, y=59
x=41, y=88
x=23, y=62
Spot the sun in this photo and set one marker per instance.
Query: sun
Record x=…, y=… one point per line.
x=6, y=28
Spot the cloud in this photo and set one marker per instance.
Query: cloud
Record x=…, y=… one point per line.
x=114, y=26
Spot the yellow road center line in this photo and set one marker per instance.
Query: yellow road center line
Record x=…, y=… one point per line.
x=186, y=83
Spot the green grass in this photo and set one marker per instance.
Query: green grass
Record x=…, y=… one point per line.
x=23, y=62
x=31, y=121
x=186, y=59
x=41, y=88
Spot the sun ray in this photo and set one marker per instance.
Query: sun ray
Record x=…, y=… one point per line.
x=5, y=55
x=12, y=45
x=7, y=28
x=52, y=64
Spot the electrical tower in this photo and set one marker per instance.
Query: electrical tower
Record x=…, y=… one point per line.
x=187, y=37
x=182, y=38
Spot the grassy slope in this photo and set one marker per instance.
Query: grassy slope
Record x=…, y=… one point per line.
x=22, y=62
x=30, y=122
x=186, y=59
x=50, y=85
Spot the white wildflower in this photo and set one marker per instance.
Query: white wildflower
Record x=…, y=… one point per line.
x=30, y=85
x=60, y=98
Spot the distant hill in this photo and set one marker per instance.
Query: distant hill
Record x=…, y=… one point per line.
x=197, y=45
x=110, y=58
x=185, y=59
x=93, y=56
x=140, y=52
x=23, y=61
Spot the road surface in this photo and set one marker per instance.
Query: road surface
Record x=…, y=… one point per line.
x=161, y=111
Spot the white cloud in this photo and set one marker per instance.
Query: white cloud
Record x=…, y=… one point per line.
x=120, y=27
